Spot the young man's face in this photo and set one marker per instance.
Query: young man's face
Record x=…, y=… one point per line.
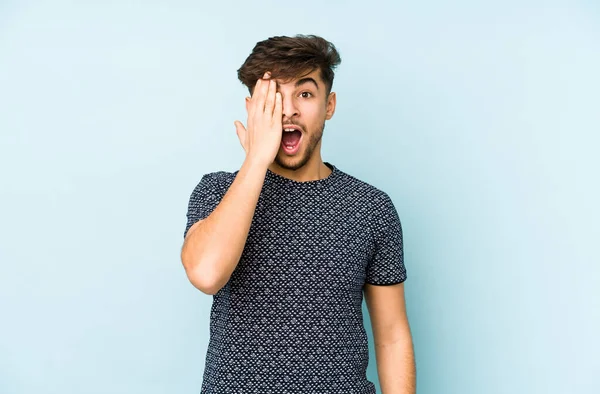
x=305, y=104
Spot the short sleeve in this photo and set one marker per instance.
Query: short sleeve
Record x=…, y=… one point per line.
x=204, y=199
x=386, y=266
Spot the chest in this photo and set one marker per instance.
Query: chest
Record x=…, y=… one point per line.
x=321, y=243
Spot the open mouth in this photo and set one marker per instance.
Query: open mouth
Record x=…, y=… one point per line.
x=291, y=139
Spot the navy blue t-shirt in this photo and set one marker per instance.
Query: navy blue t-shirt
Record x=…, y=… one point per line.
x=289, y=320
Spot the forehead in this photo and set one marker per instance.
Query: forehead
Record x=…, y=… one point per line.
x=304, y=79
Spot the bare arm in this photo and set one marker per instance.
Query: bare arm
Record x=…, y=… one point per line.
x=394, y=349
x=213, y=246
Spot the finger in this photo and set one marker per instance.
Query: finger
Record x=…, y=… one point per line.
x=278, y=108
x=270, y=101
x=252, y=108
x=241, y=133
x=262, y=95
x=239, y=126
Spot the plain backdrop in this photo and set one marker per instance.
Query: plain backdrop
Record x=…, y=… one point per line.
x=479, y=119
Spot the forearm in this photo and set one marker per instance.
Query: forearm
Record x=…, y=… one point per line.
x=396, y=367
x=213, y=249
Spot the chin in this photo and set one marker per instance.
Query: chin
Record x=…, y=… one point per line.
x=291, y=162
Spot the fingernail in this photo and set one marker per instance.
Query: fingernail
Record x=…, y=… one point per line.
x=267, y=75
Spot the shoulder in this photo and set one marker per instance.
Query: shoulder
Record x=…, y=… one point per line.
x=367, y=193
x=216, y=181
x=376, y=204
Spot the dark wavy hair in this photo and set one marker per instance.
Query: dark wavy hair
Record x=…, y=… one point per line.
x=290, y=57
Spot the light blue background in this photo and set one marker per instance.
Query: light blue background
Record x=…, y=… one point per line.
x=480, y=120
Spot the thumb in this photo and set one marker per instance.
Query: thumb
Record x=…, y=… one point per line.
x=241, y=132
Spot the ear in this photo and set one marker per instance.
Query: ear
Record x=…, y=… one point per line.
x=331, y=101
x=247, y=104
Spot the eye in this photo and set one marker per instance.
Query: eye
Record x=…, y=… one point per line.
x=309, y=94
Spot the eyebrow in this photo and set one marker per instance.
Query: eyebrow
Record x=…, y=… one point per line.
x=306, y=80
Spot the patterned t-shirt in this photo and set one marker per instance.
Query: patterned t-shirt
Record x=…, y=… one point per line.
x=289, y=320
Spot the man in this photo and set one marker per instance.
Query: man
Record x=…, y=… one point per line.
x=288, y=244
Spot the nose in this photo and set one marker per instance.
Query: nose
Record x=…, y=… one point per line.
x=289, y=109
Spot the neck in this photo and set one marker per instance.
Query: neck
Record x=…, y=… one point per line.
x=313, y=170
